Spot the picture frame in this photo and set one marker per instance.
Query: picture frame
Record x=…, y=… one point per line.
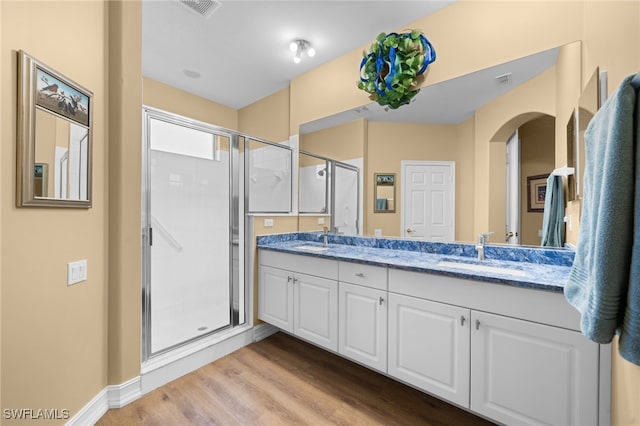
x=60, y=96
x=536, y=193
x=384, y=193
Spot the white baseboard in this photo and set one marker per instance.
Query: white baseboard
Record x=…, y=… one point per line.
x=113, y=396
x=121, y=395
x=91, y=413
x=264, y=330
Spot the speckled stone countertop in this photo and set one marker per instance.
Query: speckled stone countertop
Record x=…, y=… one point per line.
x=529, y=267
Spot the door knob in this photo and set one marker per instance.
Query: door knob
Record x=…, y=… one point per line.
x=409, y=230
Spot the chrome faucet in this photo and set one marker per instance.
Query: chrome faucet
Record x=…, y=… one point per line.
x=325, y=235
x=483, y=239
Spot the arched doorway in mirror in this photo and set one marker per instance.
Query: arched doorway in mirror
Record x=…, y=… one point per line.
x=516, y=180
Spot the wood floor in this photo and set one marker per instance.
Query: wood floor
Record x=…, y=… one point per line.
x=284, y=381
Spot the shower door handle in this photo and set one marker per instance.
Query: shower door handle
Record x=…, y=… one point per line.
x=150, y=236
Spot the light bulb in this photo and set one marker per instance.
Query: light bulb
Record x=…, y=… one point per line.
x=311, y=52
x=293, y=46
x=296, y=59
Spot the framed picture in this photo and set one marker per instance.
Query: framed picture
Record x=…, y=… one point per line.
x=385, y=179
x=61, y=97
x=384, y=193
x=536, y=192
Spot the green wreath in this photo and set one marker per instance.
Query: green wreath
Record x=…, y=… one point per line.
x=389, y=71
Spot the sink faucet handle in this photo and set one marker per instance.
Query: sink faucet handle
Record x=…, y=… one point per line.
x=483, y=238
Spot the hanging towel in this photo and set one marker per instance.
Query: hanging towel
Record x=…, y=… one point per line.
x=553, y=218
x=604, y=283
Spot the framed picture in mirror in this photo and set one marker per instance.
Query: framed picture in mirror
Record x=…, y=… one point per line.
x=54, y=138
x=536, y=193
x=385, y=191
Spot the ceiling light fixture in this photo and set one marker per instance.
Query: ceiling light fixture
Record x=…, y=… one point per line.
x=300, y=48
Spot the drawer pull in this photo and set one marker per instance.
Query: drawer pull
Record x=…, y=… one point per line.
x=295, y=280
x=381, y=300
x=462, y=320
x=289, y=278
x=360, y=274
x=477, y=324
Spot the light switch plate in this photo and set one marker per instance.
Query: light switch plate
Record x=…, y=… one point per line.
x=268, y=223
x=76, y=271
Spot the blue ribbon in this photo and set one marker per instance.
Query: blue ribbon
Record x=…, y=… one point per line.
x=429, y=57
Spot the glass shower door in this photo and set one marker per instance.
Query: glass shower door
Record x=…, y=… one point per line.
x=189, y=218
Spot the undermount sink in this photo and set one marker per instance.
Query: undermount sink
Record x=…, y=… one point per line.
x=481, y=268
x=312, y=248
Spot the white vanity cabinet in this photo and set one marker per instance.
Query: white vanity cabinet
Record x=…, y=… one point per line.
x=362, y=319
x=528, y=373
x=513, y=355
x=303, y=303
x=429, y=346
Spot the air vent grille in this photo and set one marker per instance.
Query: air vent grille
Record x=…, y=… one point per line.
x=201, y=7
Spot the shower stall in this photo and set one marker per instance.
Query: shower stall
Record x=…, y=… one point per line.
x=196, y=200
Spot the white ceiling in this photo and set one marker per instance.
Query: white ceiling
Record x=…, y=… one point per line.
x=241, y=52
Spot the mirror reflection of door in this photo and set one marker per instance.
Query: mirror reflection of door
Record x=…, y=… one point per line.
x=428, y=200
x=513, y=190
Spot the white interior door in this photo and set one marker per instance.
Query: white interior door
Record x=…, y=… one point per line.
x=513, y=190
x=428, y=200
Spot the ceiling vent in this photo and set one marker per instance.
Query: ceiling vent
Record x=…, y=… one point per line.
x=201, y=7
x=504, y=78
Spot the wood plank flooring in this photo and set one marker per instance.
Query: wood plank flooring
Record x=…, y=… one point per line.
x=284, y=381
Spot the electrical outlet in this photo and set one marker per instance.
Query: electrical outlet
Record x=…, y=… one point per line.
x=76, y=272
x=321, y=221
x=268, y=223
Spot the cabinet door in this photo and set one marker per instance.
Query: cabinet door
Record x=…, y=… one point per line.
x=529, y=373
x=429, y=346
x=363, y=325
x=275, y=299
x=315, y=310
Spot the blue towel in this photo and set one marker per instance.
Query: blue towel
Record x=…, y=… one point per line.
x=604, y=283
x=381, y=204
x=553, y=218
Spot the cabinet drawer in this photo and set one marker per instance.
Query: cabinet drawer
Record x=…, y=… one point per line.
x=310, y=265
x=366, y=275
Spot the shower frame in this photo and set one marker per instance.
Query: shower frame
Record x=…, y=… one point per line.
x=239, y=224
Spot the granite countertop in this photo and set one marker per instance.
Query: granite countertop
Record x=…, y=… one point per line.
x=537, y=268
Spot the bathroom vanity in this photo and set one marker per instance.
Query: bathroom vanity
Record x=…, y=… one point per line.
x=495, y=337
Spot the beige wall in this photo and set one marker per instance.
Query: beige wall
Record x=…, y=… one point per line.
x=167, y=98
x=125, y=176
x=267, y=118
x=390, y=143
x=343, y=142
x=54, y=337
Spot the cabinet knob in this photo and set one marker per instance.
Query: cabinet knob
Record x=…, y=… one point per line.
x=295, y=280
x=289, y=278
x=380, y=301
x=360, y=274
x=477, y=324
x=462, y=320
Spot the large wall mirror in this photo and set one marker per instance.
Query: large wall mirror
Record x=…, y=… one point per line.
x=448, y=121
x=54, y=138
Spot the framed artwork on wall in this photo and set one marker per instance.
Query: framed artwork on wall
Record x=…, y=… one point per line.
x=536, y=193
